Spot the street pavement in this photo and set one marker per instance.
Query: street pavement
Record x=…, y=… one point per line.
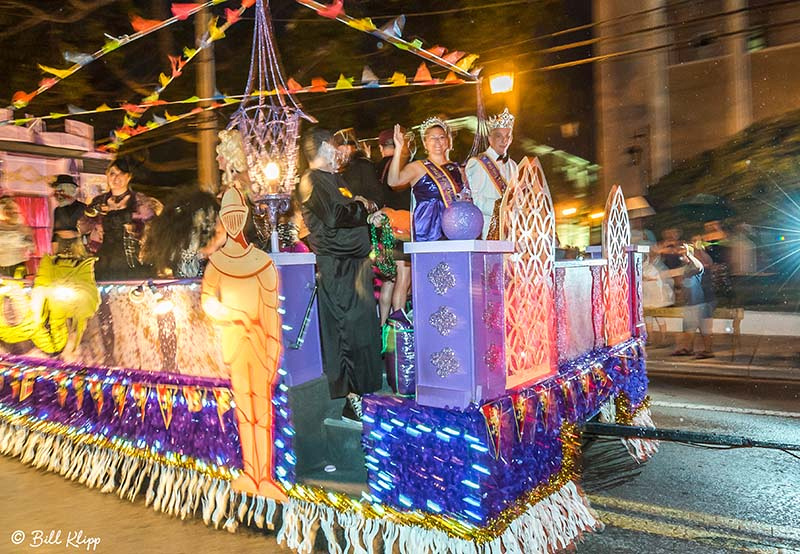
x=687, y=499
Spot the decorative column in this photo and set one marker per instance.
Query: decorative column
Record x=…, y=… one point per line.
x=636, y=256
x=301, y=354
x=616, y=278
x=458, y=321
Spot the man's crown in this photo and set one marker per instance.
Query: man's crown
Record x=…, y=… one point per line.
x=501, y=121
x=432, y=122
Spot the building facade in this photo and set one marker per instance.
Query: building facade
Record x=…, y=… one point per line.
x=676, y=78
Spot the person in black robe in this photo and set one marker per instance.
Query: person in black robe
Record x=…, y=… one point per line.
x=339, y=236
x=358, y=171
x=66, y=239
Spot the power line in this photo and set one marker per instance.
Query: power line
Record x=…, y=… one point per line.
x=607, y=38
x=634, y=51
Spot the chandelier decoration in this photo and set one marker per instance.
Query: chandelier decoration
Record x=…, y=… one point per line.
x=269, y=121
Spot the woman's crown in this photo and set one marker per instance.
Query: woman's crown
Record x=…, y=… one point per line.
x=432, y=122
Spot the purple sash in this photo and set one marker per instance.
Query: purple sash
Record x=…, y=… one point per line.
x=444, y=182
x=494, y=174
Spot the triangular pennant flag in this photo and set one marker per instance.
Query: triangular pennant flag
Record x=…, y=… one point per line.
x=183, y=11
x=166, y=399
x=60, y=73
x=140, y=393
x=344, y=82
x=332, y=11
x=466, y=62
x=141, y=25
x=570, y=400
x=103, y=108
x=214, y=32
x=191, y=100
x=232, y=16
x=492, y=415
x=223, y=398
x=78, y=387
x=293, y=85
x=451, y=78
x=398, y=80
x=318, y=84
x=22, y=98
x=550, y=415
x=26, y=386
x=163, y=80
x=437, y=50
x=415, y=44
x=368, y=77
x=119, y=392
x=78, y=58
x=365, y=24
x=110, y=45
x=170, y=117
x=589, y=389
x=453, y=57
x=62, y=388
x=152, y=125
x=74, y=109
x=15, y=384
x=57, y=115
x=423, y=74
x=96, y=390
x=520, y=405
x=47, y=82
x=248, y=3
x=189, y=53
x=395, y=27
x=195, y=397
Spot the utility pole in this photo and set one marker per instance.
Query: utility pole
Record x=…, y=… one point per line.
x=207, y=169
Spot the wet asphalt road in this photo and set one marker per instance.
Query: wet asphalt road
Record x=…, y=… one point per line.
x=686, y=500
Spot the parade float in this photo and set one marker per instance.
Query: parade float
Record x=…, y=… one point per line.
x=137, y=388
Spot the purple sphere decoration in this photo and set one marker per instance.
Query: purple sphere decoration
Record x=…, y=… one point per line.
x=462, y=221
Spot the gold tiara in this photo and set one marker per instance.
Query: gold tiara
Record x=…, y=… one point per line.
x=501, y=121
x=432, y=122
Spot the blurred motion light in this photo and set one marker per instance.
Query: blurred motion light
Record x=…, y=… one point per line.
x=500, y=83
x=597, y=215
x=569, y=211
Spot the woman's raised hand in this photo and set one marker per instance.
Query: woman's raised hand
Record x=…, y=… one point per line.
x=399, y=138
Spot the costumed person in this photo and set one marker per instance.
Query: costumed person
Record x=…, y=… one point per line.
x=66, y=241
x=339, y=236
x=396, y=205
x=179, y=241
x=240, y=293
x=232, y=161
x=357, y=170
x=436, y=182
x=16, y=240
x=490, y=173
x=115, y=223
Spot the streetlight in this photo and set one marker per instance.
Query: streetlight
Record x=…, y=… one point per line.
x=500, y=83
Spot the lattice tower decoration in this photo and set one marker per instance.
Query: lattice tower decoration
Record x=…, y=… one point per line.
x=528, y=220
x=269, y=116
x=616, y=279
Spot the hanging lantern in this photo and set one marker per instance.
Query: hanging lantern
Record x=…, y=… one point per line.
x=268, y=120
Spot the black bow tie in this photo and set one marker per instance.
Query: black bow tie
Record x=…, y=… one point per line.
x=502, y=158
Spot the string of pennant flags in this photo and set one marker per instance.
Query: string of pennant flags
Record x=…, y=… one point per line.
x=22, y=382
x=459, y=62
x=142, y=28
x=369, y=80
x=177, y=63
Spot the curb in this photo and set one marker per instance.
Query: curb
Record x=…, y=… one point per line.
x=700, y=369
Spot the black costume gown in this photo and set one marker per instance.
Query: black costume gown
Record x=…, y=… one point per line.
x=349, y=323
x=118, y=254
x=65, y=218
